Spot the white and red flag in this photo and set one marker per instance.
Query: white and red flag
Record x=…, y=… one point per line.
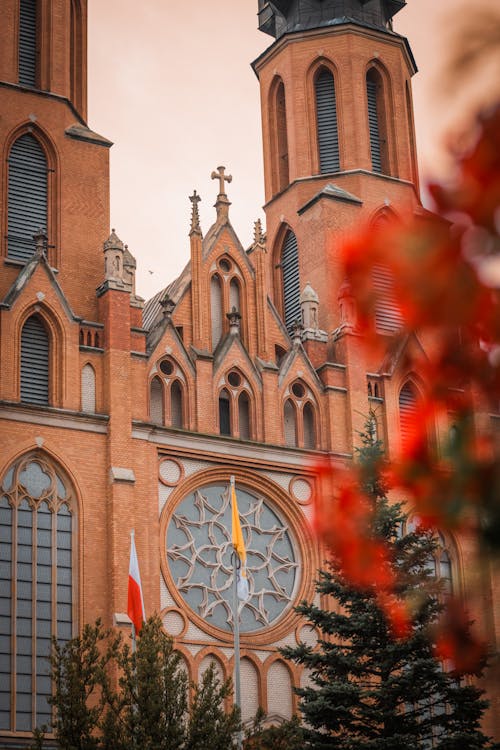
x=135, y=605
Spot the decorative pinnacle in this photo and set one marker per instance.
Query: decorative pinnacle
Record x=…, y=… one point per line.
x=258, y=234
x=297, y=329
x=168, y=306
x=222, y=177
x=195, y=214
x=40, y=242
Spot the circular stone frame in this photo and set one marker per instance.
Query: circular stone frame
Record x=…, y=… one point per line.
x=301, y=534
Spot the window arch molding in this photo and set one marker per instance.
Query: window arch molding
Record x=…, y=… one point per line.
x=172, y=373
x=322, y=64
x=232, y=276
x=235, y=390
x=53, y=187
x=57, y=348
x=380, y=75
x=304, y=404
x=278, y=132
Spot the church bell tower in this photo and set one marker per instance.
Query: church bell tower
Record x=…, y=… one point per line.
x=338, y=136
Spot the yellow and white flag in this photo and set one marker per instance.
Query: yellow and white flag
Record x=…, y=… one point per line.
x=239, y=547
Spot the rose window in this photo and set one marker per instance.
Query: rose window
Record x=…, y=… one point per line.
x=199, y=557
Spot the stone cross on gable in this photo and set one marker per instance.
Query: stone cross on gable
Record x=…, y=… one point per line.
x=222, y=177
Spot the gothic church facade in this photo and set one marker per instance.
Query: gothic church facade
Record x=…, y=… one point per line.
x=118, y=414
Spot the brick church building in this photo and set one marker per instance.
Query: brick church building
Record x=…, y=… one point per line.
x=117, y=414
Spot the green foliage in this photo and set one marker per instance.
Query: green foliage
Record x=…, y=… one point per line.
x=286, y=736
x=210, y=726
x=369, y=690
x=108, y=698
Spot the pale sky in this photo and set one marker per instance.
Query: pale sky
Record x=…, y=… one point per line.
x=170, y=84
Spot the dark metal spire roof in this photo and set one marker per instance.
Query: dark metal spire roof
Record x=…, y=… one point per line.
x=277, y=17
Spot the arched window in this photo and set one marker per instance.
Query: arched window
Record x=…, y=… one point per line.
x=234, y=295
x=35, y=362
x=88, y=389
x=244, y=415
x=281, y=169
x=326, y=118
x=216, y=309
x=377, y=122
x=156, y=401
x=291, y=280
x=280, y=690
x=407, y=413
x=290, y=424
x=37, y=508
x=176, y=405
x=224, y=413
x=28, y=41
x=309, y=426
x=27, y=196
x=443, y=565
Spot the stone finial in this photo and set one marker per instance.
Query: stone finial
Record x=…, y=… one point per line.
x=168, y=306
x=309, y=302
x=297, y=329
x=222, y=203
x=234, y=321
x=195, y=214
x=258, y=235
x=41, y=241
x=113, y=258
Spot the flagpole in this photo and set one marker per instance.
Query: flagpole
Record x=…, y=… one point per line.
x=236, y=636
x=134, y=637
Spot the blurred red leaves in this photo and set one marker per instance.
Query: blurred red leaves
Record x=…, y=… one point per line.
x=446, y=283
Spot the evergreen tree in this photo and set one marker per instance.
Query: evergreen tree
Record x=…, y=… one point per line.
x=210, y=725
x=369, y=690
x=286, y=736
x=108, y=698
x=80, y=675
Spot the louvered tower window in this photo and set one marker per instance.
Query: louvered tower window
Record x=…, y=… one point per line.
x=34, y=362
x=28, y=38
x=388, y=316
x=377, y=122
x=36, y=586
x=407, y=413
x=291, y=281
x=27, y=196
x=282, y=175
x=326, y=114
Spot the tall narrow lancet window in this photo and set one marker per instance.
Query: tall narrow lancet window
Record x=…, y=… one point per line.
x=244, y=415
x=407, y=413
x=28, y=40
x=326, y=114
x=282, y=170
x=156, y=401
x=35, y=351
x=377, y=122
x=176, y=405
x=36, y=586
x=234, y=295
x=27, y=196
x=224, y=413
x=88, y=388
x=290, y=424
x=216, y=309
x=291, y=280
x=309, y=426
